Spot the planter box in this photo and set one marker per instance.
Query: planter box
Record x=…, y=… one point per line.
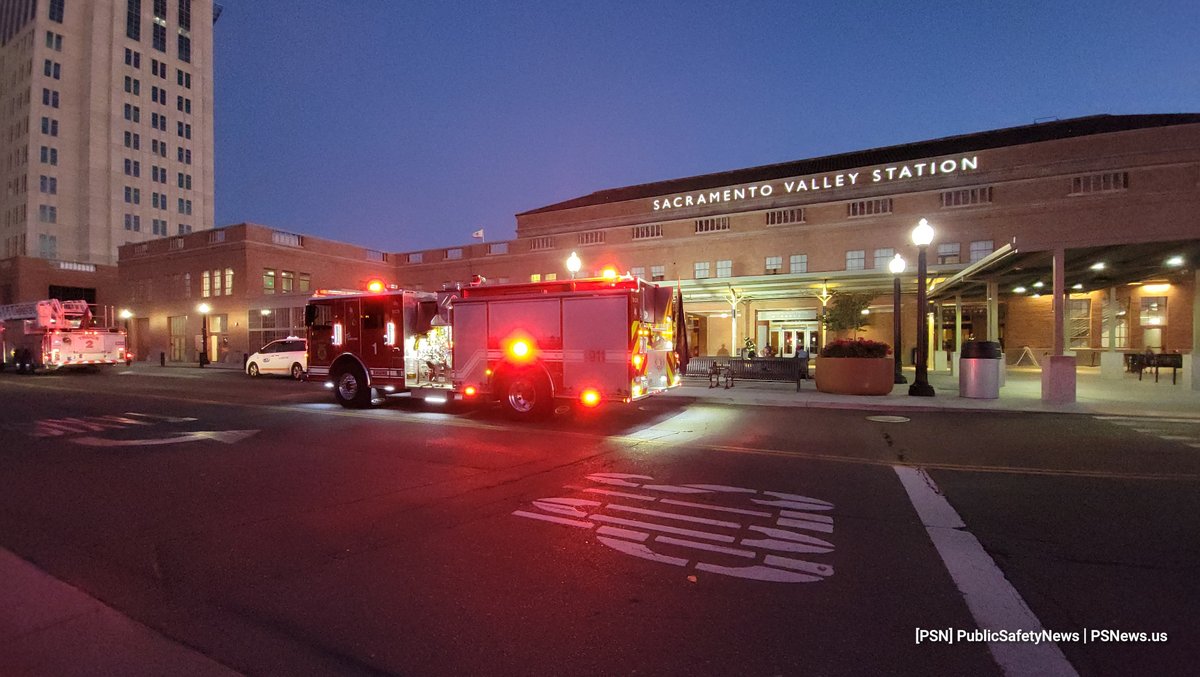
x=856, y=375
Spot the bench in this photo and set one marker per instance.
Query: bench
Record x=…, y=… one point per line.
x=1172, y=361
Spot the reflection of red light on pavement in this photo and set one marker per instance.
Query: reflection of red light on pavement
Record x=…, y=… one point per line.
x=589, y=397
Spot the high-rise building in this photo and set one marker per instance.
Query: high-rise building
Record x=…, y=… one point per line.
x=106, y=133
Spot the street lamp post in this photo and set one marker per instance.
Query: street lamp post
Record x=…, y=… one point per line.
x=922, y=235
x=125, y=315
x=897, y=267
x=574, y=264
x=204, y=309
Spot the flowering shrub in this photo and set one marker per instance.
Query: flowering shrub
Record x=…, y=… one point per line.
x=856, y=348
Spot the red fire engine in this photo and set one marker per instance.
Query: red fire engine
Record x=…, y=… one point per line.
x=53, y=334
x=526, y=345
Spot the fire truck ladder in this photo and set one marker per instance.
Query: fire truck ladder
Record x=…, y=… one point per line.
x=50, y=314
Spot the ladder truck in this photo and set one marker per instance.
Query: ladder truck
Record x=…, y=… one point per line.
x=53, y=334
x=529, y=346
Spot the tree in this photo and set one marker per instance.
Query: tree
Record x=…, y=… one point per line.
x=845, y=311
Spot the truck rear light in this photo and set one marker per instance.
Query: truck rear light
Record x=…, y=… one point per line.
x=520, y=349
x=590, y=397
x=637, y=361
x=470, y=391
x=376, y=286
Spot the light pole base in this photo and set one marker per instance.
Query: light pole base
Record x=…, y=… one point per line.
x=920, y=389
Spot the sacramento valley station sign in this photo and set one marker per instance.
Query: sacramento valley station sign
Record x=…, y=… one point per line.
x=820, y=182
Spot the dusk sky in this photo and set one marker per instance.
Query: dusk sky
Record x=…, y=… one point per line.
x=404, y=126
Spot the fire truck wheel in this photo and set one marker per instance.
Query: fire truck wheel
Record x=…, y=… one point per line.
x=252, y=369
x=297, y=371
x=350, y=388
x=526, y=395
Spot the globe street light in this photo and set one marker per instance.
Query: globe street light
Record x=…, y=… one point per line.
x=204, y=310
x=574, y=264
x=897, y=267
x=922, y=235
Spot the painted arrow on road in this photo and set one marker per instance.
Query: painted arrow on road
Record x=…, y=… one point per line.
x=226, y=436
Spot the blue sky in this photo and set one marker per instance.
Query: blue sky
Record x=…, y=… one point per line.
x=403, y=125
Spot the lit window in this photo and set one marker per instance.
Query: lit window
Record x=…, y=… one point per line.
x=799, y=263
x=883, y=257
x=856, y=259
x=773, y=265
x=725, y=268
x=700, y=270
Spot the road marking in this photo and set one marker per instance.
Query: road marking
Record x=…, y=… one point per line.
x=769, y=549
x=889, y=419
x=992, y=600
x=226, y=436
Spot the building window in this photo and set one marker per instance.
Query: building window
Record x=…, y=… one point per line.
x=48, y=185
x=799, y=263
x=773, y=265
x=869, y=207
x=286, y=239
x=1079, y=322
x=647, y=232
x=54, y=41
x=50, y=126
x=56, y=10
x=216, y=237
x=535, y=277
x=638, y=271
x=700, y=270
x=184, y=229
x=712, y=225
x=783, y=216
x=48, y=246
x=980, y=249
x=133, y=58
x=48, y=213
x=53, y=69
x=50, y=98
x=497, y=248
x=159, y=37
x=883, y=256
x=268, y=278
x=967, y=197
x=949, y=252
x=540, y=243
x=133, y=222
x=49, y=156
x=304, y=283
x=591, y=237
x=133, y=196
x=856, y=259
x=159, y=226
x=373, y=255
x=454, y=253
x=176, y=243
x=287, y=281
x=205, y=284
x=415, y=257
x=185, y=49
x=1099, y=183
x=133, y=19
x=1153, y=311
x=725, y=268
x=658, y=273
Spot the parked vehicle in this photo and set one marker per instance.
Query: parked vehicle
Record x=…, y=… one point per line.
x=285, y=357
x=526, y=345
x=53, y=334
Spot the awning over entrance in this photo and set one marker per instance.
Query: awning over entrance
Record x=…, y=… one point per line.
x=1087, y=268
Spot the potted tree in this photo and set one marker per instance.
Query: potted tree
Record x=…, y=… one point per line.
x=853, y=366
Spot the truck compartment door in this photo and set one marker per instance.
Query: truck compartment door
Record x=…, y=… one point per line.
x=596, y=340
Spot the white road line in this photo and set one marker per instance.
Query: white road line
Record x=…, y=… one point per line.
x=992, y=600
x=806, y=516
x=704, y=546
x=811, y=526
x=736, y=511
x=552, y=518
x=627, y=534
x=649, y=526
x=1177, y=438
x=622, y=494
x=672, y=516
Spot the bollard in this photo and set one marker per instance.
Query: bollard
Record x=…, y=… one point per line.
x=245, y=359
x=162, y=359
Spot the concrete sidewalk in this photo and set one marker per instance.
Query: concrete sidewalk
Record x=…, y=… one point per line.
x=1022, y=392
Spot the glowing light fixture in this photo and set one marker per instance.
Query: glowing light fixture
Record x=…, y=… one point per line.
x=609, y=273
x=1158, y=288
x=574, y=263
x=896, y=265
x=1018, y=290
x=376, y=286
x=1038, y=284
x=1175, y=261
x=1099, y=265
x=1077, y=286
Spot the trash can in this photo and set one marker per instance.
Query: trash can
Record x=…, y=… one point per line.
x=979, y=370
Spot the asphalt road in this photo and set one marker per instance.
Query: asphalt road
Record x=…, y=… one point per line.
x=260, y=524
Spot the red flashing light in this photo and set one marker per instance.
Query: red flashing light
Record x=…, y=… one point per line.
x=519, y=348
x=376, y=286
x=637, y=361
x=470, y=391
x=589, y=397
